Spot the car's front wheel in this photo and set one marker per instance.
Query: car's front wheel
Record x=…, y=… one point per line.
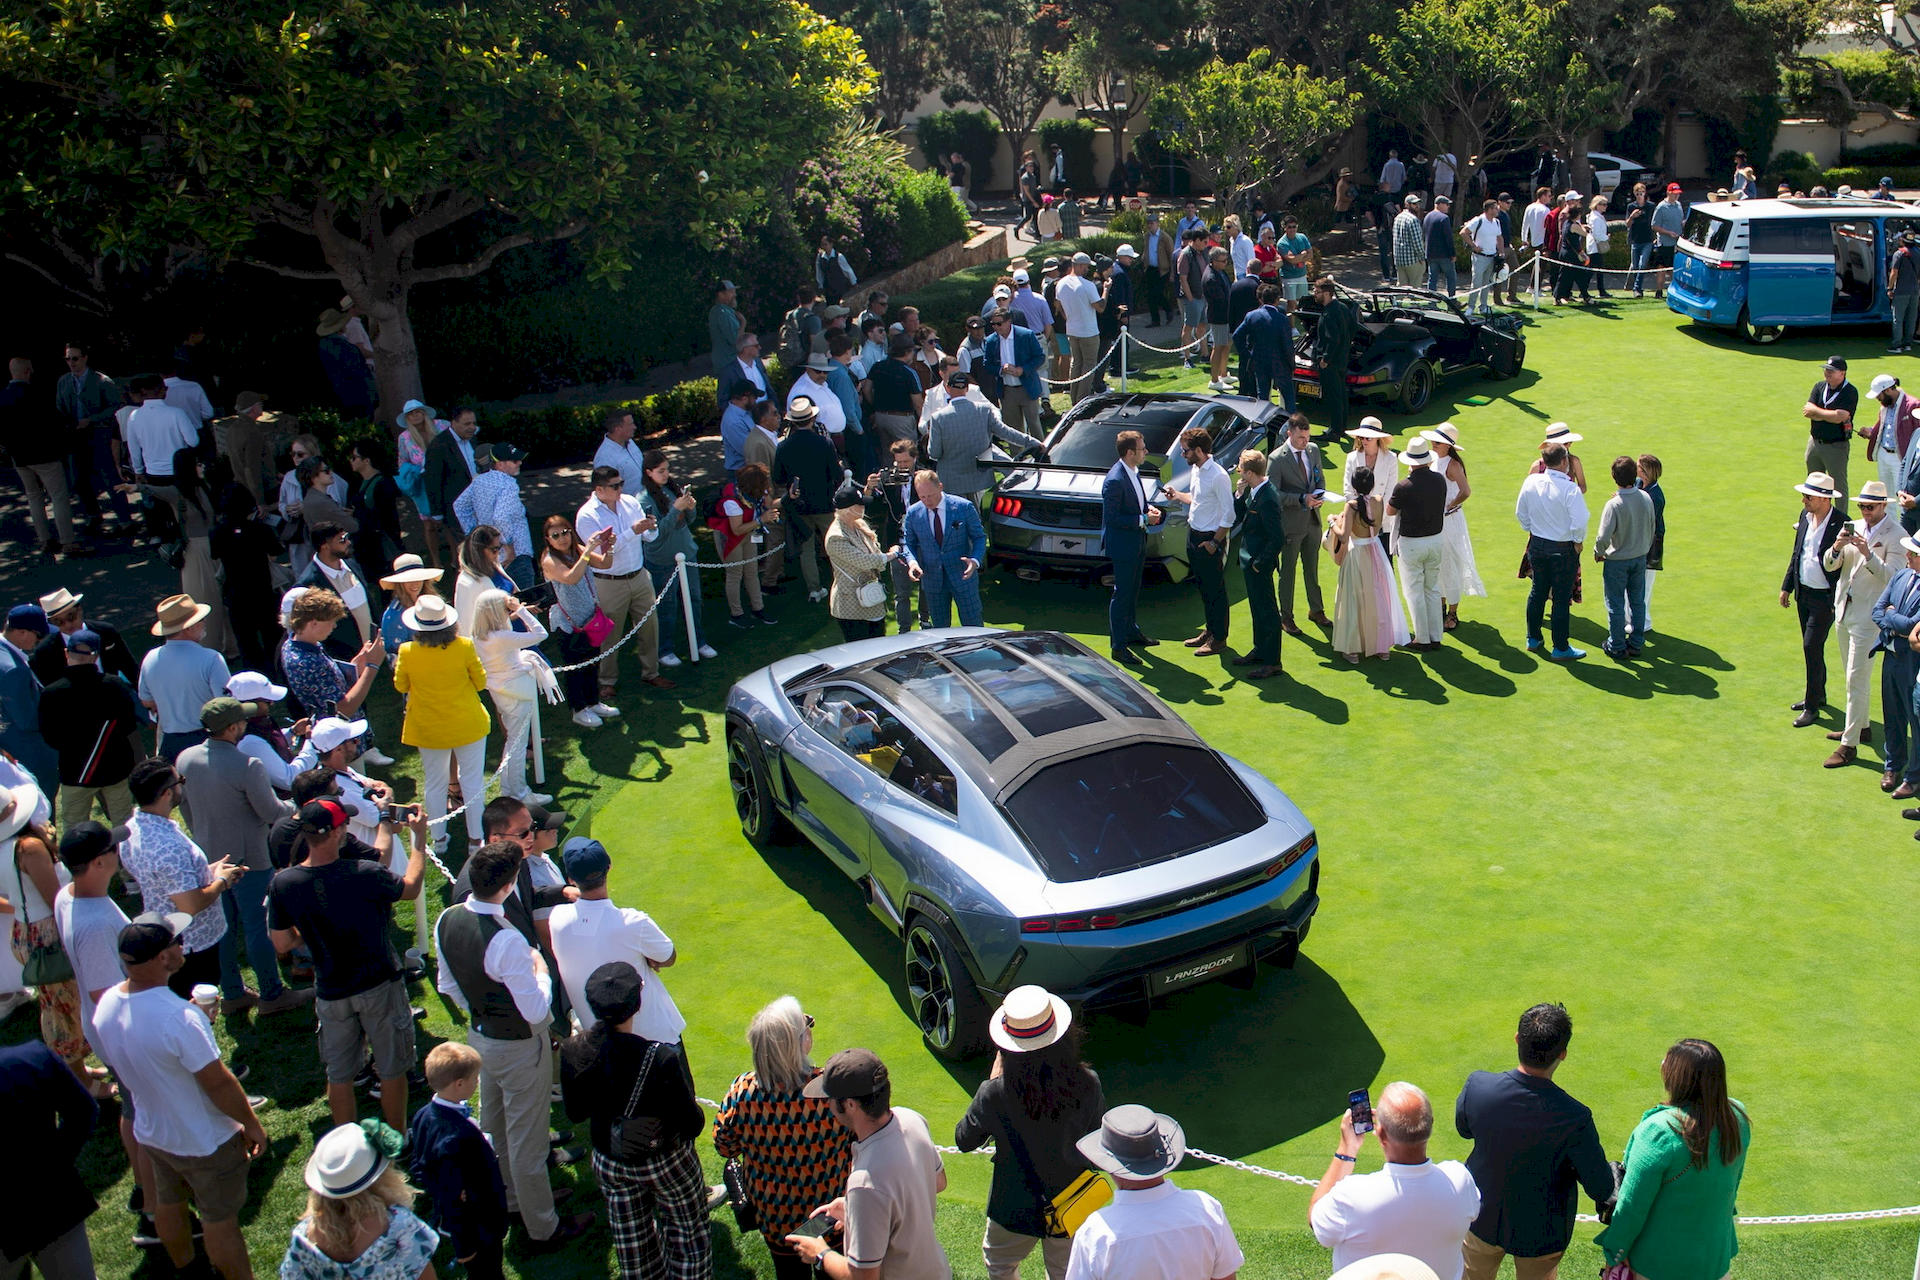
x=1416, y=388
x=760, y=822
x=940, y=993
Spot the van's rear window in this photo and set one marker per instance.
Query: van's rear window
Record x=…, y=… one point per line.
x=1708, y=231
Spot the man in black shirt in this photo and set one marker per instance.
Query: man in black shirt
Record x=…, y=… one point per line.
x=1639, y=215
x=1531, y=1143
x=87, y=717
x=1421, y=503
x=342, y=908
x=287, y=844
x=806, y=470
x=1829, y=413
x=65, y=616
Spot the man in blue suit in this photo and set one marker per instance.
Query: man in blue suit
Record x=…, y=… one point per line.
x=1125, y=517
x=944, y=543
x=1018, y=356
x=1264, y=341
x=1897, y=613
x=20, y=698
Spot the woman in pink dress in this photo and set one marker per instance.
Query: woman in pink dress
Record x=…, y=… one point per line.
x=1367, y=618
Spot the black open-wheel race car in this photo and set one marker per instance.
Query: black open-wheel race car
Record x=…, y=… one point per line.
x=1406, y=341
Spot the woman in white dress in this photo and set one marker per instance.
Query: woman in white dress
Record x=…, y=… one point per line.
x=1367, y=619
x=1372, y=454
x=510, y=681
x=1459, y=576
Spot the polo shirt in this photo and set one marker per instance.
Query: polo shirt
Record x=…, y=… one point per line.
x=593, y=932
x=1845, y=397
x=1298, y=246
x=1421, y=503
x=1422, y=1210
x=178, y=678
x=894, y=386
x=890, y=1201
x=1159, y=1233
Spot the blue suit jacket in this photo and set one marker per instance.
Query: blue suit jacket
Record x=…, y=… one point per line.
x=965, y=537
x=1895, y=625
x=1120, y=509
x=49, y=1114
x=1028, y=353
x=1266, y=337
x=20, y=720
x=454, y=1165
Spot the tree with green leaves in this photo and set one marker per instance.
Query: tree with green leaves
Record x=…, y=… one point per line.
x=1000, y=59
x=1252, y=124
x=394, y=145
x=901, y=41
x=1450, y=70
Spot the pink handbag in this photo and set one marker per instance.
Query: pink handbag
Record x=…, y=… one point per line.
x=596, y=628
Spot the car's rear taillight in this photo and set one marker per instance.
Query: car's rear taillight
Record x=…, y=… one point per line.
x=1070, y=924
x=1723, y=266
x=1006, y=506
x=1293, y=854
x=1363, y=379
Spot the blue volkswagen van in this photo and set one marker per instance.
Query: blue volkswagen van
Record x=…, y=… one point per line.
x=1758, y=266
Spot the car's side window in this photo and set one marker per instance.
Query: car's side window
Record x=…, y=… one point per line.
x=855, y=722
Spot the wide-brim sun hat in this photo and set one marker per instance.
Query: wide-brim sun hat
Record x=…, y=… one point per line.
x=1819, y=484
x=59, y=600
x=430, y=614
x=1029, y=1018
x=1371, y=428
x=1135, y=1142
x=1561, y=433
x=344, y=1163
x=16, y=808
x=1446, y=433
x=176, y=613
x=411, y=568
x=1418, y=450
x=1908, y=544
x=1872, y=491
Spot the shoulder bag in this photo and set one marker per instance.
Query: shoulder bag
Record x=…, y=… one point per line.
x=41, y=962
x=1076, y=1203
x=637, y=1139
x=597, y=626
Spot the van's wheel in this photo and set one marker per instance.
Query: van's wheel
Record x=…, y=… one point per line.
x=760, y=822
x=1416, y=388
x=945, y=1004
x=1759, y=335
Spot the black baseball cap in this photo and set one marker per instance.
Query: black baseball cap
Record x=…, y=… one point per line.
x=149, y=934
x=87, y=841
x=850, y=1073
x=317, y=817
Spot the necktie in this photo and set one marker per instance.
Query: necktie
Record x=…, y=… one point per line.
x=939, y=531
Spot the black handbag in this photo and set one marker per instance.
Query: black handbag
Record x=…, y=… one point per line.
x=638, y=1138
x=746, y=1214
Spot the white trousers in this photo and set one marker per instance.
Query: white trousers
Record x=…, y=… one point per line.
x=471, y=760
x=516, y=721
x=1856, y=648
x=1420, y=560
x=1646, y=595
x=1889, y=466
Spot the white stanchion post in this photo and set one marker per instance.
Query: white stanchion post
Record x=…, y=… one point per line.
x=422, y=939
x=1537, y=257
x=1123, y=359
x=686, y=604
x=533, y=738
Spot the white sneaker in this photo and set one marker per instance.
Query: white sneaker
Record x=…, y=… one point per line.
x=604, y=711
x=817, y=596
x=376, y=757
x=669, y=659
x=536, y=797
x=708, y=651
x=586, y=719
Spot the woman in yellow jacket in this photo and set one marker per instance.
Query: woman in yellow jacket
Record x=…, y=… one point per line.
x=440, y=673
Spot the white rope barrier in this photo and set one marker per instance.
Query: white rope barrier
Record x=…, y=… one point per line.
x=1862, y=1215
x=1098, y=363
x=1165, y=351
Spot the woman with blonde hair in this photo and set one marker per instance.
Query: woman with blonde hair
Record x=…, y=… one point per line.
x=858, y=565
x=419, y=424
x=359, y=1223
x=793, y=1155
x=512, y=678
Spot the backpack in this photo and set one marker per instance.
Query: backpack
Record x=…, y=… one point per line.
x=793, y=346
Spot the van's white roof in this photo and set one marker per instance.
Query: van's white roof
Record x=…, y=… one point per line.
x=1799, y=208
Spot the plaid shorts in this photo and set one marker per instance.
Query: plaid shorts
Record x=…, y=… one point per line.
x=657, y=1212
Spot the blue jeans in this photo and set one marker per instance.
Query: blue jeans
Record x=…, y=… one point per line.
x=1625, y=584
x=1638, y=258
x=1439, y=269
x=520, y=569
x=245, y=907
x=1554, y=565
x=672, y=615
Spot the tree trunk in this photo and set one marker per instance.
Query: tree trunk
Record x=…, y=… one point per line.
x=396, y=357
x=1670, y=141
x=1577, y=162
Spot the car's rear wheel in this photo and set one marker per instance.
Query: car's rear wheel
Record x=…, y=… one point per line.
x=760, y=822
x=940, y=993
x=1760, y=335
x=1416, y=388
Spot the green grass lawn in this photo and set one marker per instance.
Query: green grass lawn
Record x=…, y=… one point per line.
x=1653, y=845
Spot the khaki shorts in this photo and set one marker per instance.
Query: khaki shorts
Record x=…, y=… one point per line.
x=216, y=1184
x=382, y=1018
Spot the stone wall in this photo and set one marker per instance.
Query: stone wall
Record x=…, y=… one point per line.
x=983, y=246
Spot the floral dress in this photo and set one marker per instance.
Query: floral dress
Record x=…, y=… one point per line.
x=401, y=1253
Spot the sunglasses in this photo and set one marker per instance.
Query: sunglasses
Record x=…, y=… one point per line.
x=809, y=1018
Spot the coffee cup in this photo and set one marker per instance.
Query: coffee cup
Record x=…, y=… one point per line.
x=207, y=997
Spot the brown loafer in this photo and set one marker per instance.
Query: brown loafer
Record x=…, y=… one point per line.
x=1320, y=619
x=1263, y=673
x=1905, y=791
x=1245, y=660
x=1841, y=756
x=1888, y=781
x=1209, y=650
x=658, y=682
x=1291, y=627
x=1805, y=718
x=1198, y=640
x=1866, y=735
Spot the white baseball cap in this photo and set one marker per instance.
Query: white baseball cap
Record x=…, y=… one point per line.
x=333, y=731
x=251, y=686
x=1021, y=276
x=1882, y=382
x=1125, y=251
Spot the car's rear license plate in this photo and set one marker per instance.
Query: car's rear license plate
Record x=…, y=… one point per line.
x=1307, y=388
x=1059, y=545
x=1200, y=970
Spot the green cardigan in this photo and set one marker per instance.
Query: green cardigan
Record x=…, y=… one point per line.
x=1673, y=1221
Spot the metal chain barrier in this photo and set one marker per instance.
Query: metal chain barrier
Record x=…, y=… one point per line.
x=1862, y=1215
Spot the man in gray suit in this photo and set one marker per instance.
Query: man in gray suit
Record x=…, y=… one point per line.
x=959, y=432
x=231, y=805
x=1299, y=473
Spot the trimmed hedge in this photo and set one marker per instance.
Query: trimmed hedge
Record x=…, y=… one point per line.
x=974, y=134
x=1076, y=139
x=1863, y=178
